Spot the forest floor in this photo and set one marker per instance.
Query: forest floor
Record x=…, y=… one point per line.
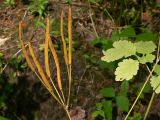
x=30, y=100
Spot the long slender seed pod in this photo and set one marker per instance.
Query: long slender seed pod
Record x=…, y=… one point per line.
x=70, y=34
x=40, y=70
x=70, y=51
x=63, y=40
x=55, y=57
x=46, y=49
x=24, y=49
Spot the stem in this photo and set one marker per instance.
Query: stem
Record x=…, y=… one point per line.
x=57, y=91
x=67, y=111
x=51, y=92
x=70, y=81
x=63, y=96
x=93, y=25
x=149, y=106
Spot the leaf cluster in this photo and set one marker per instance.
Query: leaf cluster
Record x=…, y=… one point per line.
x=10, y=3
x=111, y=98
x=131, y=54
x=38, y=7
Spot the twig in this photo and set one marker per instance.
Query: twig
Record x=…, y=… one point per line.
x=80, y=81
x=93, y=25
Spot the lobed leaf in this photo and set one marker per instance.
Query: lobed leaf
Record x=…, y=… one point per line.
x=122, y=48
x=157, y=70
x=155, y=83
x=145, y=47
x=126, y=69
x=147, y=58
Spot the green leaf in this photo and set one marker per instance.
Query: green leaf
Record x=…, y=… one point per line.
x=128, y=32
x=104, y=65
x=122, y=103
x=145, y=47
x=108, y=92
x=136, y=116
x=99, y=106
x=158, y=5
x=157, y=70
x=137, y=89
x=94, y=1
x=40, y=24
x=155, y=83
x=126, y=69
x=147, y=58
x=115, y=36
x=1, y=55
x=147, y=88
x=70, y=2
x=98, y=113
x=102, y=42
x=122, y=48
x=3, y=118
x=107, y=108
x=148, y=36
x=124, y=88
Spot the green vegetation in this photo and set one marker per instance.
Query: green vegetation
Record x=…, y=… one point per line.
x=10, y=3
x=105, y=108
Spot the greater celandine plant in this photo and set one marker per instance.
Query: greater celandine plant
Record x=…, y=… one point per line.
x=45, y=75
x=131, y=55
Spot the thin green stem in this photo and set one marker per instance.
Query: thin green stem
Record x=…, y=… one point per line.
x=149, y=105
